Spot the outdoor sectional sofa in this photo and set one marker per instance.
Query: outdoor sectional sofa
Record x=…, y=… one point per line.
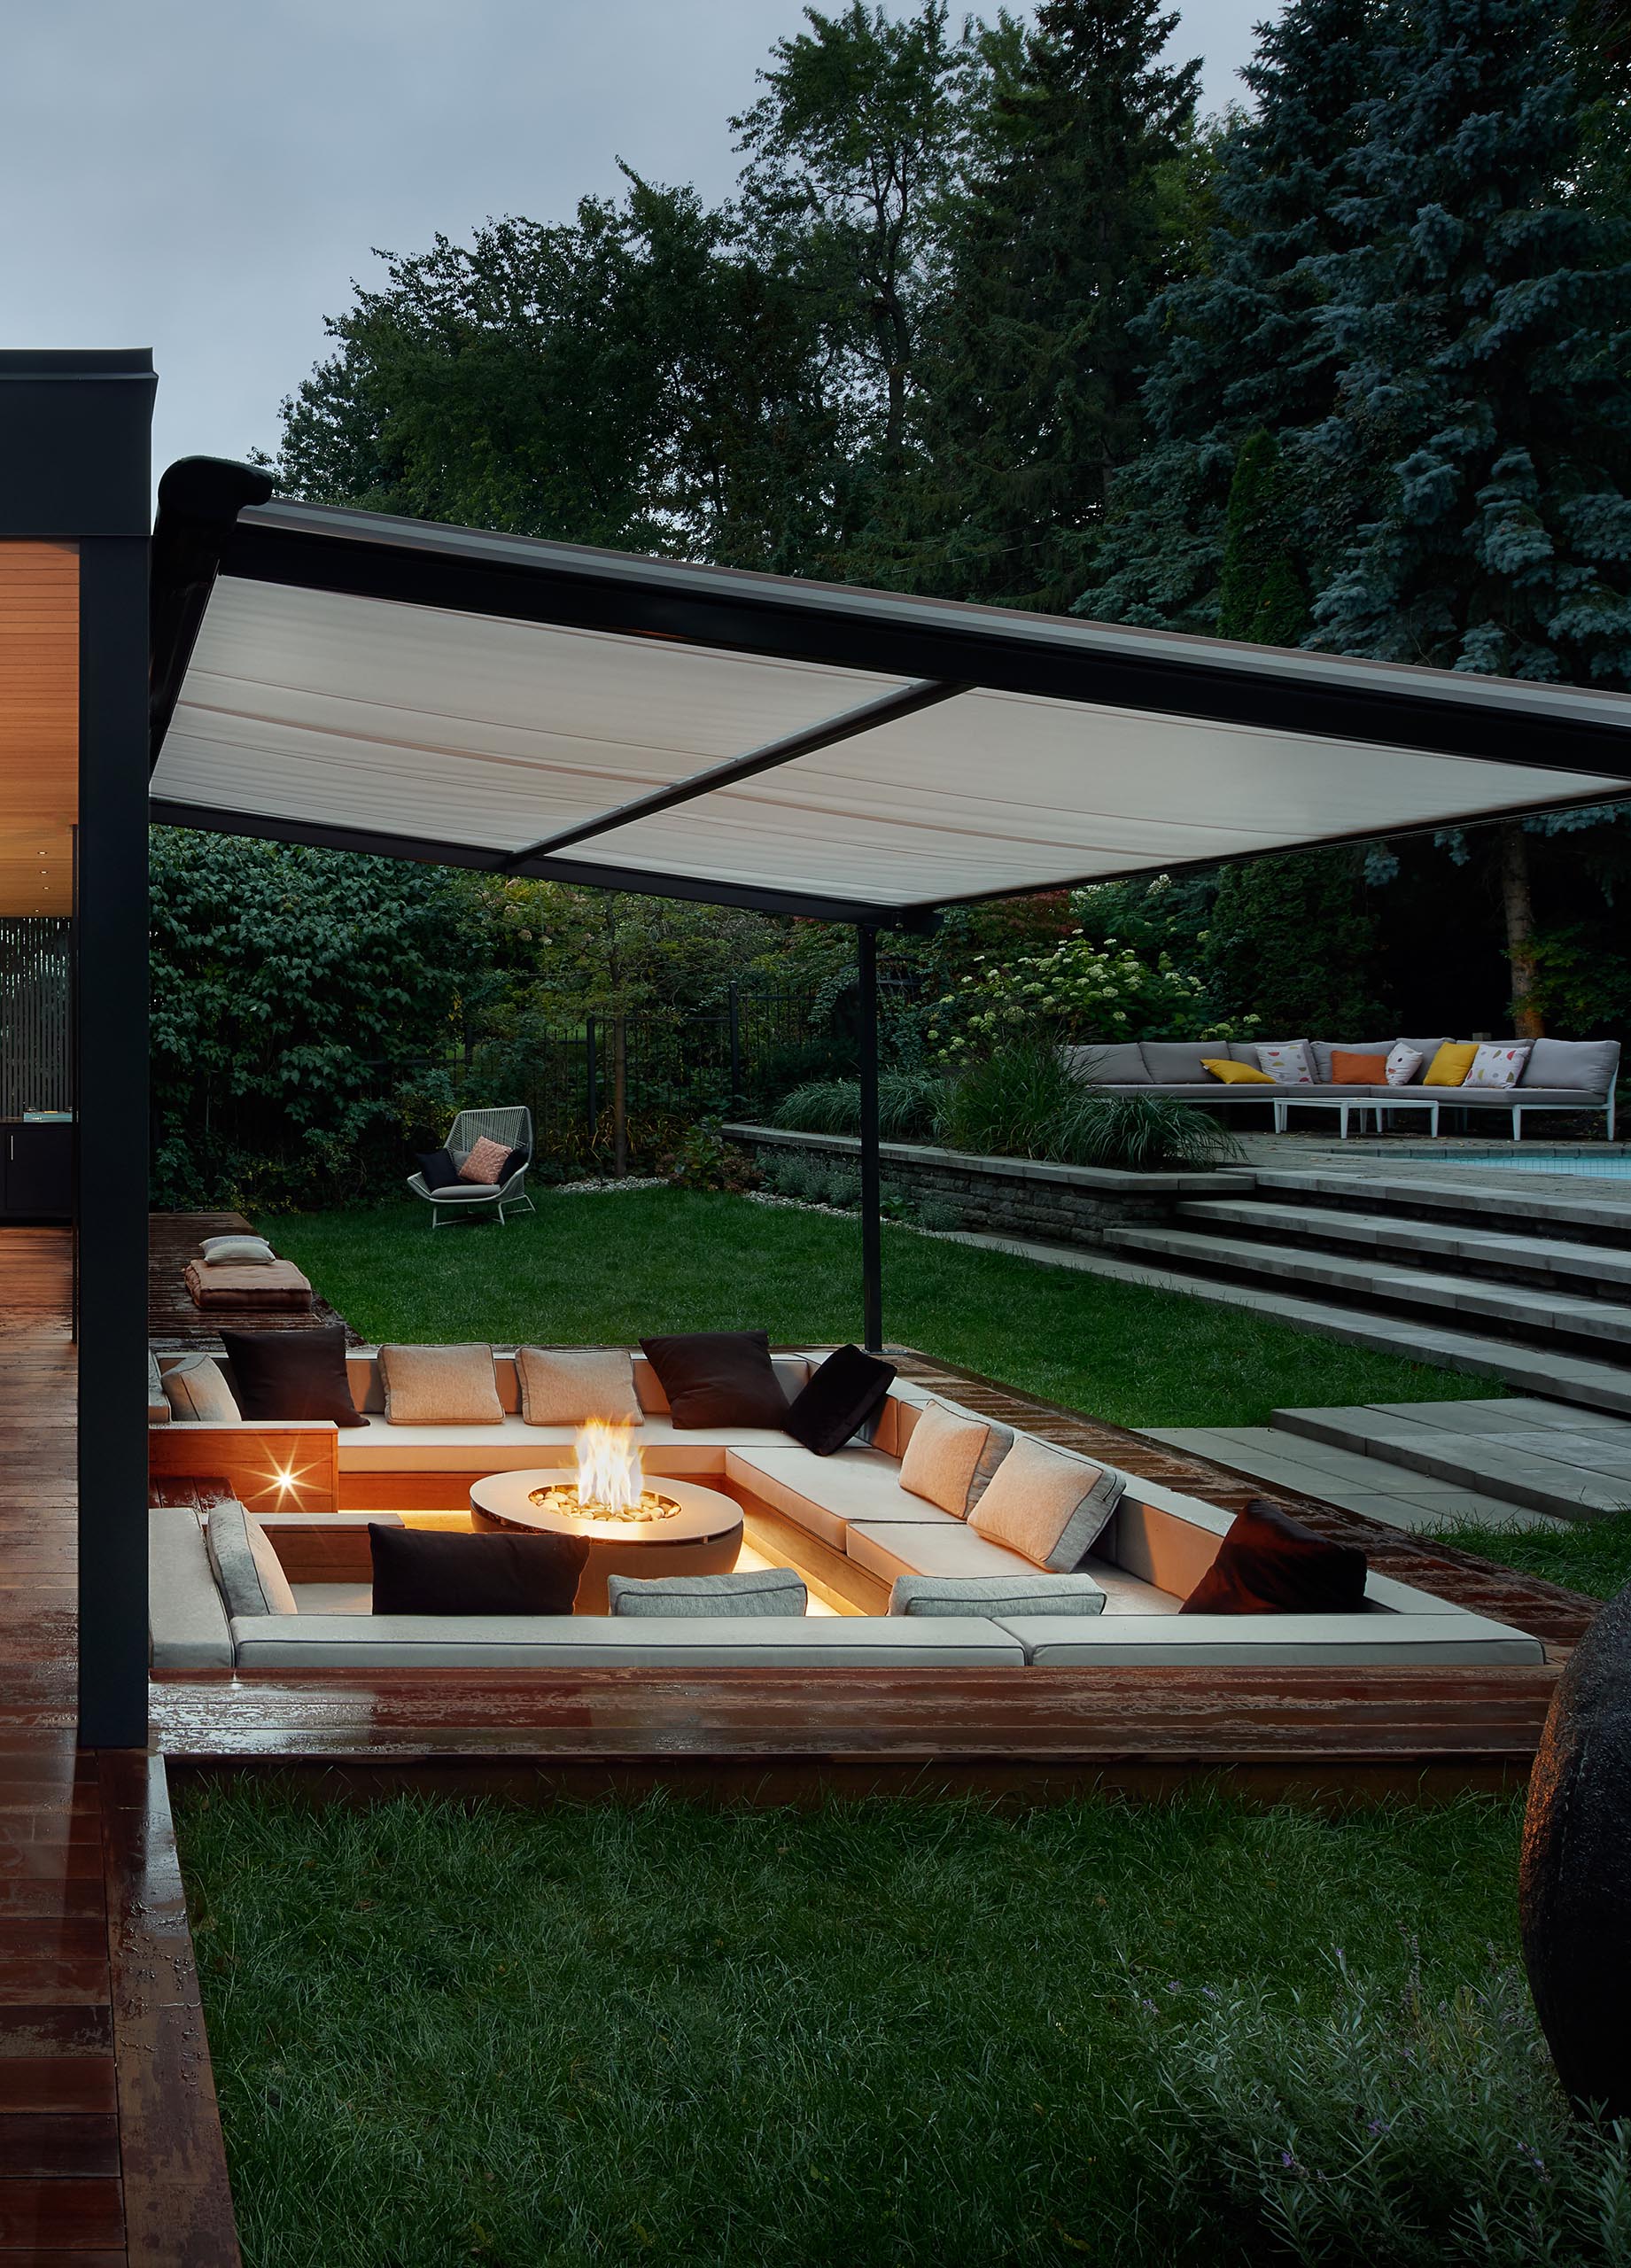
x=843, y=1520
x=1566, y=1074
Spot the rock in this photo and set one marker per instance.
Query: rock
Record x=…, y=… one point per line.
x=1574, y=1877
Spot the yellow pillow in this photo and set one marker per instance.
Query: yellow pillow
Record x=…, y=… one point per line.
x=1449, y=1067
x=1235, y=1075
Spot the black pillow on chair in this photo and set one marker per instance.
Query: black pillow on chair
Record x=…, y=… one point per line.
x=513, y=1163
x=281, y=1376
x=840, y=1396
x=430, y=1571
x=437, y=1170
x=1270, y=1563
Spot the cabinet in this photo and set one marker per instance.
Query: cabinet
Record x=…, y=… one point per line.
x=37, y=1171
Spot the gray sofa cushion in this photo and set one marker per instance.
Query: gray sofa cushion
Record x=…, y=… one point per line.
x=766, y=1590
x=198, y=1393
x=613, y=1641
x=995, y=1595
x=186, y=1616
x=1168, y=1061
x=247, y=1569
x=1109, y=1063
x=1586, y=1063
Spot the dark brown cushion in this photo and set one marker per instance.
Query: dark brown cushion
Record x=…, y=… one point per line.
x=844, y=1393
x=429, y=1571
x=718, y=1377
x=437, y=1170
x=1270, y=1563
x=279, y=1376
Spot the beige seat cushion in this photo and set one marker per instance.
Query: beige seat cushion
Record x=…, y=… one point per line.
x=568, y=1386
x=513, y=1446
x=949, y=1458
x=187, y=1617
x=923, y=1547
x=439, y=1386
x=593, y=1640
x=824, y=1494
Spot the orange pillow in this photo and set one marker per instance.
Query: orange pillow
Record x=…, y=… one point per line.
x=1449, y=1067
x=1357, y=1070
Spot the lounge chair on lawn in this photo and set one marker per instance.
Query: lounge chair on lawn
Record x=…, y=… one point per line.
x=512, y=1128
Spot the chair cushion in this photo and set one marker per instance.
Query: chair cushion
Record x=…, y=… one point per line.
x=567, y=1386
x=279, y=1376
x=1589, y=1064
x=718, y=1377
x=1117, y=1063
x=432, y=1570
x=946, y=1547
x=197, y=1391
x=951, y=1458
x=758, y=1591
x=1270, y=1563
x=437, y=1167
x=1050, y=1505
x=248, y=1571
x=995, y=1595
x=1449, y=1067
x=439, y=1386
x=847, y=1390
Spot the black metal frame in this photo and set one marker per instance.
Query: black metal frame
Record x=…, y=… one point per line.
x=77, y=453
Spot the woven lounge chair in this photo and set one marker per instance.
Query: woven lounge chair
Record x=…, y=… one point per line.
x=514, y=1129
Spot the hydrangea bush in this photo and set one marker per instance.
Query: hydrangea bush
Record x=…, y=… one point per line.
x=1079, y=991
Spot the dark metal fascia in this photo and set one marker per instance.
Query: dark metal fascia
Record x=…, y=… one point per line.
x=199, y=498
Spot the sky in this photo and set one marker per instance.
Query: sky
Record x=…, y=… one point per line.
x=207, y=177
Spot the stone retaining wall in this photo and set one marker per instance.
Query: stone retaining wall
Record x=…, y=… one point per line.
x=1022, y=1197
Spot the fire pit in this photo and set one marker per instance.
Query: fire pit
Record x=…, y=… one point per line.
x=631, y=1527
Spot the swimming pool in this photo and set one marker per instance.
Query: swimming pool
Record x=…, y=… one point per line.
x=1613, y=1166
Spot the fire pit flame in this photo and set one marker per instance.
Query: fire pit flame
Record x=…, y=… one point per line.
x=611, y=1484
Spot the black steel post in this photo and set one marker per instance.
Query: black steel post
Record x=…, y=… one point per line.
x=872, y=1220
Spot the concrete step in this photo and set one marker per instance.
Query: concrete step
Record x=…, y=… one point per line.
x=1458, y=1192
x=1574, y=1464
x=1558, y=1373
x=1544, y=1315
x=1581, y=1266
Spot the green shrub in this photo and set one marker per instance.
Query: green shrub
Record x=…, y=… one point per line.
x=1025, y=1101
x=1386, y=2127
x=938, y=1213
x=844, y=1191
x=704, y=1160
x=909, y=1102
x=790, y=1178
x=1141, y=1133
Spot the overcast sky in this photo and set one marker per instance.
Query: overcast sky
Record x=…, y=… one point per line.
x=206, y=177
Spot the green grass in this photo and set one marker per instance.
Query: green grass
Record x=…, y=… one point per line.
x=598, y=1270
x=1590, y=1556
x=897, y=2032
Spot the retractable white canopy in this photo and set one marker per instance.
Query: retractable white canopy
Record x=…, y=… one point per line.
x=332, y=676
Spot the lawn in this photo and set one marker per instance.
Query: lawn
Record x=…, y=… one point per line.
x=607, y=1269
x=899, y=2032
x=1590, y=1556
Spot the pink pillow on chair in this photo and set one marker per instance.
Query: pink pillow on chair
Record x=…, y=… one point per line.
x=485, y=1163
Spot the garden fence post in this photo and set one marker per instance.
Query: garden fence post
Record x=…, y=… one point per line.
x=619, y=1098
x=871, y=1229
x=593, y=1084
x=735, y=1048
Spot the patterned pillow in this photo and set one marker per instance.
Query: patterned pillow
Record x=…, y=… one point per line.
x=1403, y=1065
x=1496, y=1065
x=486, y=1162
x=1286, y=1062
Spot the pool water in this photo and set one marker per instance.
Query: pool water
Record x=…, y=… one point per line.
x=1610, y=1167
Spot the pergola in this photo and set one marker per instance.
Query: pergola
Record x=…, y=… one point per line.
x=327, y=676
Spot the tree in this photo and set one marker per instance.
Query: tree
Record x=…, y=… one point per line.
x=1063, y=236
x=1260, y=596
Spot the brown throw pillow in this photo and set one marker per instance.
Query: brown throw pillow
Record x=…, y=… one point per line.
x=1270, y=1563
x=1348, y=1070
x=280, y=1376
x=428, y=1571
x=718, y=1377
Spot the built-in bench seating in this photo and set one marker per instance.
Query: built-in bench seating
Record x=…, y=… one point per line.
x=1559, y=1075
x=844, y=1520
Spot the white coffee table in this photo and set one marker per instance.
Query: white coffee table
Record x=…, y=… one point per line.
x=701, y=1536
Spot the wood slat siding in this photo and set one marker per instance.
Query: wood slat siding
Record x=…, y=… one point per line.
x=39, y=726
x=110, y=2145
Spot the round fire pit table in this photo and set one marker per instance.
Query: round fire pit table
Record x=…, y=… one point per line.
x=687, y=1531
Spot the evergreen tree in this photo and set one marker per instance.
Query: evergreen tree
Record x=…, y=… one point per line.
x=1483, y=428
x=1240, y=347
x=1064, y=235
x=1260, y=596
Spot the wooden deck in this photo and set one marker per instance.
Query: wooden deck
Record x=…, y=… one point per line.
x=110, y=2144
x=173, y=1321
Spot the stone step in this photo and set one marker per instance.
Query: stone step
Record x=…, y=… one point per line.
x=1497, y=1197
x=1574, y=1464
x=1551, y=1314
x=1582, y=1265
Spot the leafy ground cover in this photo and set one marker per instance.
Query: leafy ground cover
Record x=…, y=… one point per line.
x=1590, y=1556
x=895, y=2032
x=606, y=1268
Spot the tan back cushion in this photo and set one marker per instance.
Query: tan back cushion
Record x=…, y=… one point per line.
x=567, y=1386
x=439, y=1386
x=198, y=1393
x=949, y=1458
x=1048, y=1505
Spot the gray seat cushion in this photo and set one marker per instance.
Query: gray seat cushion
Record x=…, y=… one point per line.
x=999, y=1595
x=1503, y=1098
x=611, y=1641
x=1580, y=1063
x=755, y=1590
x=1113, y=1063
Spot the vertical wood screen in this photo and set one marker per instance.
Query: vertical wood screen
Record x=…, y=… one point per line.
x=36, y=1037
